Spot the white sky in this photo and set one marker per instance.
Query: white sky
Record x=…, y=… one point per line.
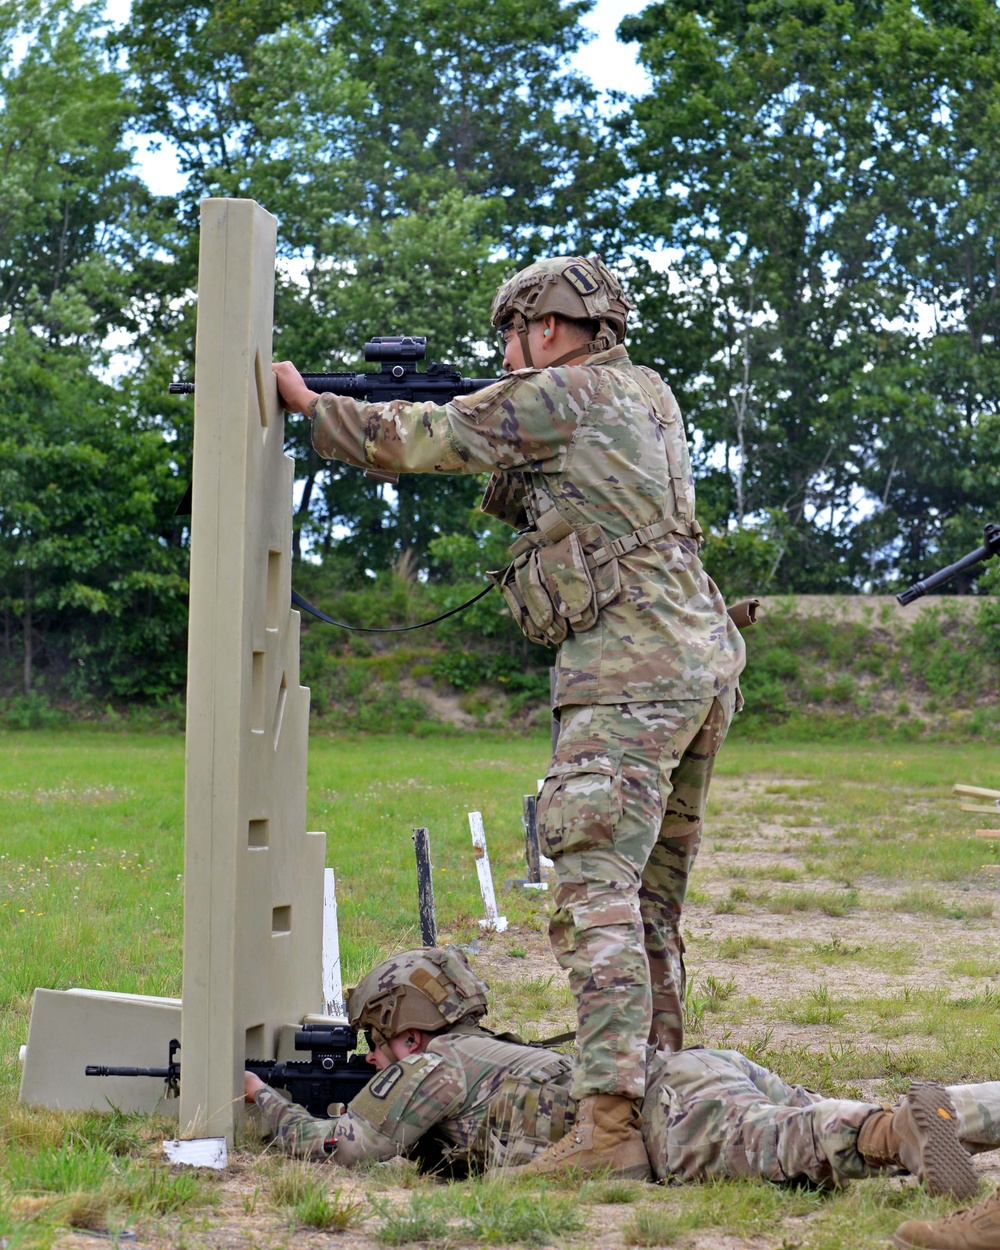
x=610, y=66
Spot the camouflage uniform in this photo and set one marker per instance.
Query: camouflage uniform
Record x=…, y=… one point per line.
x=714, y=1113
x=646, y=693
x=489, y=1101
x=708, y=1113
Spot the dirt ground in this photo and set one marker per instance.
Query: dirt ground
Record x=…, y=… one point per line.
x=244, y=1217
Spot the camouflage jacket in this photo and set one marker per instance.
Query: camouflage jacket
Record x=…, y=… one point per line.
x=487, y=1101
x=586, y=438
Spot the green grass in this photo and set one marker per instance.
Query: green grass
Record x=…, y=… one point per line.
x=91, y=894
x=303, y=1192
x=486, y=1213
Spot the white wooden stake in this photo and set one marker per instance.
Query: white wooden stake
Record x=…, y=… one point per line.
x=493, y=921
x=333, y=990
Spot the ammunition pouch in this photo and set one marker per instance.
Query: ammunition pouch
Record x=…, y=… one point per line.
x=555, y=588
x=525, y=1115
x=560, y=578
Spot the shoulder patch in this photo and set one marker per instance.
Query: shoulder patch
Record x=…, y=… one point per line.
x=385, y=1082
x=384, y=1102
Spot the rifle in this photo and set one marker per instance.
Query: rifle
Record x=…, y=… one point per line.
x=397, y=378
x=330, y=1076
x=990, y=548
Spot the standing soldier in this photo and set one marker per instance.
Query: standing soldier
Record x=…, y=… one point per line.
x=589, y=461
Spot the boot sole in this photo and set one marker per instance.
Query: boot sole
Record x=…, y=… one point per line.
x=947, y=1169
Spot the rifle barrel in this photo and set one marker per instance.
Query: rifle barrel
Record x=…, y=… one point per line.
x=990, y=547
x=97, y=1069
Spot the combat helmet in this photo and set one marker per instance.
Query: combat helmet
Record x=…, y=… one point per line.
x=582, y=288
x=431, y=988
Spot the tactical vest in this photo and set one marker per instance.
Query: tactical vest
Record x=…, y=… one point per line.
x=527, y=1113
x=559, y=577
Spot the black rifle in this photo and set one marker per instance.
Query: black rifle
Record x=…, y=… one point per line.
x=397, y=379
x=990, y=547
x=332, y=1075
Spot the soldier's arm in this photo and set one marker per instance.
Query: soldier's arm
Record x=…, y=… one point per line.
x=527, y=419
x=346, y=1139
x=397, y=1108
x=385, y=1120
x=296, y=1131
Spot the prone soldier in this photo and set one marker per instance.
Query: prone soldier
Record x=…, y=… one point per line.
x=589, y=461
x=488, y=1101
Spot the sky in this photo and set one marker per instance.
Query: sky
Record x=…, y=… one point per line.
x=610, y=66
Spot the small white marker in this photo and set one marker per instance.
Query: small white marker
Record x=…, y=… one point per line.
x=201, y=1152
x=333, y=989
x=493, y=921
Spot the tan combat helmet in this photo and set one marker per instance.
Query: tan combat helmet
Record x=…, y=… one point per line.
x=582, y=288
x=432, y=988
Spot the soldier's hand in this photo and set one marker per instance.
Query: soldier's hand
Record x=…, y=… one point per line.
x=295, y=395
x=251, y=1084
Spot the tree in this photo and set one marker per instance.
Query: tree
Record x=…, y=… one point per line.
x=412, y=151
x=88, y=554
x=939, y=454
x=784, y=155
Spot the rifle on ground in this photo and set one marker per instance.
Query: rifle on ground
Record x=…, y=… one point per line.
x=990, y=547
x=332, y=1075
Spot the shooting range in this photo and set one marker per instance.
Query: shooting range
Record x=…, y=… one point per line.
x=801, y=203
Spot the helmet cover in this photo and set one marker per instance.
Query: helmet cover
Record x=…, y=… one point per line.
x=582, y=289
x=431, y=988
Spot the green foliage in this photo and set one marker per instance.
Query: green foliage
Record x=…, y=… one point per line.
x=92, y=578
x=838, y=675
x=73, y=1166
x=320, y=1209
x=159, y=1191
x=405, y=149
x=488, y=1213
x=300, y=1187
x=988, y=625
x=820, y=174
x=423, y=1221
x=466, y=669
x=823, y=172
x=742, y=561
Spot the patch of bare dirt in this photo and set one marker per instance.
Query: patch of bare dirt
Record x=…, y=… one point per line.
x=874, y=609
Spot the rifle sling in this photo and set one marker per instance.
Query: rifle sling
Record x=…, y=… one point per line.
x=306, y=606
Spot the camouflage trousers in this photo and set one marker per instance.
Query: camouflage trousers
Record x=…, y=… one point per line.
x=620, y=814
x=714, y=1113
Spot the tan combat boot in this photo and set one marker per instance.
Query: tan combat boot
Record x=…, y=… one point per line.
x=975, y=1228
x=604, y=1138
x=921, y=1135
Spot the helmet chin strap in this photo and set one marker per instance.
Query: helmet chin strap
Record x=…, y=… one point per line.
x=521, y=330
x=585, y=349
